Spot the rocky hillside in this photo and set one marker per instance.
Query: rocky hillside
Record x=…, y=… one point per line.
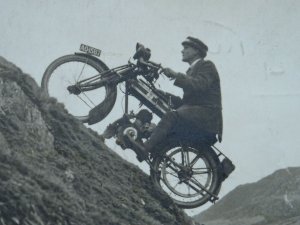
x=55, y=171
x=273, y=200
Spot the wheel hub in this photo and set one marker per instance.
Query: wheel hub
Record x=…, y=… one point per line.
x=185, y=174
x=74, y=89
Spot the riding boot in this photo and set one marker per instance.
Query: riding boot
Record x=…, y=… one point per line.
x=137, y=147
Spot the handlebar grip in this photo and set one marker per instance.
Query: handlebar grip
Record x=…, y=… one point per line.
x=155, y=64
x=149, y=63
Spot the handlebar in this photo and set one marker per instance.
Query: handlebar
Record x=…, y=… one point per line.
x=150, y=63
x=142, y=55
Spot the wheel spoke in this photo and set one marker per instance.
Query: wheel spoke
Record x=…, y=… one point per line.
x=172, y=189
x=197, y=157
x=174, y=163
x=171, y=167
x=89, y=99
x=84, y=101
x=174, y=175
x=182, y=156
x=194, y=188
x=187, y=157
x=176, y=185
x=201, y=170
x=82, y=70
x=194, y=181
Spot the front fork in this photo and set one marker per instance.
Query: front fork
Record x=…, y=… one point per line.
x=78, y=88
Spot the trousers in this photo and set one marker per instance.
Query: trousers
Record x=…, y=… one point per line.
x=164, y=128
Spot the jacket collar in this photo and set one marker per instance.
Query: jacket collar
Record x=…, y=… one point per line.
x=194, y=63
x=188, y=72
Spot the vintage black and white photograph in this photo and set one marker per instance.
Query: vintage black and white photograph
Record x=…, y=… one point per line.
x=155, y=112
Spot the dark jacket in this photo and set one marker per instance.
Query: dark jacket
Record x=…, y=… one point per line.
x=201, y=103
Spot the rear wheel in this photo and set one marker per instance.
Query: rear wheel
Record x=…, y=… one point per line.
x=188, y=173
x=68, y=70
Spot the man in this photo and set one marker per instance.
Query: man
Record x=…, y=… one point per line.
x=201, y=105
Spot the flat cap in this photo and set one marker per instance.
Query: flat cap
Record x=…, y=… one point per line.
x=195, y=43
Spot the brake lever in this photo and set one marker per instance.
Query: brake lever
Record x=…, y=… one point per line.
x=161, y=72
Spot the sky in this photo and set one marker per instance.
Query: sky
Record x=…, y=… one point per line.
x=254, y=45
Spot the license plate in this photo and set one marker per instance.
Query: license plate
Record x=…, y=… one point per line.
x=90, y=50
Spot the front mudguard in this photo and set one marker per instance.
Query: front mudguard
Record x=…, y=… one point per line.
x=99, y=112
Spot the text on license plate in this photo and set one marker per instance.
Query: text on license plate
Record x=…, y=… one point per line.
x=90, y=50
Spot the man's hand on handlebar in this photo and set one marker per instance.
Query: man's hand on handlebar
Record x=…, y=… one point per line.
x=170, y=73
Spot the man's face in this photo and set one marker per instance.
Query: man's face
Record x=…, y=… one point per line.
x=189, y=53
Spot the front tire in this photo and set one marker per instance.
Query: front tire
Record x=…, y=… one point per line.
x=188, y=173
x=69, y=69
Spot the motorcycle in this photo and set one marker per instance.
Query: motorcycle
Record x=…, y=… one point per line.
x=188, y=167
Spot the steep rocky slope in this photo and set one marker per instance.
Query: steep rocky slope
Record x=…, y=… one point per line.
x=273, y=200
x=54, y=170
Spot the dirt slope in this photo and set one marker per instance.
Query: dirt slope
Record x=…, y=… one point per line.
x=54, y=170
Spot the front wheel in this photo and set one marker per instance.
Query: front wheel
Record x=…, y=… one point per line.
x=70, y=69
x=188, y=173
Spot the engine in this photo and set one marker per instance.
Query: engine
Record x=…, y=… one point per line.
x=138, y=126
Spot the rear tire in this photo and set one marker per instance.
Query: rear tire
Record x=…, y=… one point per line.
x=67, y=70
x=189, y=186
